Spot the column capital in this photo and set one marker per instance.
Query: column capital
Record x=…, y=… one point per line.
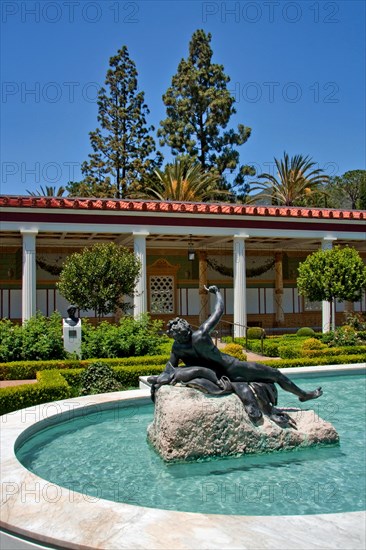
x=32, y=231
x=141, y=233
x=244, y=236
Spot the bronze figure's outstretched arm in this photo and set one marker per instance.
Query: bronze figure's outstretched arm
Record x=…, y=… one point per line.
x=215, y=317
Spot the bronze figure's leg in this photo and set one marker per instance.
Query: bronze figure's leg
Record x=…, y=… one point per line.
x=248, y=399
x=255, y=372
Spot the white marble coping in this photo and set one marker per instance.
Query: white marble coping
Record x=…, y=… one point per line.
x=37, y=514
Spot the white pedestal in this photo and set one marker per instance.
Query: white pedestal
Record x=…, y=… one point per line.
x=72, y=337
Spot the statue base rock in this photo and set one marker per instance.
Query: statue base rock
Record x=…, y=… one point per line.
x=189, y=425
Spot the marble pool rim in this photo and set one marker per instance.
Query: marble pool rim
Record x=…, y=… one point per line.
x=76, y=522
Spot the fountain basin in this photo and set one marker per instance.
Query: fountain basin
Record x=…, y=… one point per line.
x=45, y=513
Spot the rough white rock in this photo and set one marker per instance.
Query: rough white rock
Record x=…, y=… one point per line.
x=189, y=424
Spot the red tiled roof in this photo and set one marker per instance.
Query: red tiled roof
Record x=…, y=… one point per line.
x=178, y=207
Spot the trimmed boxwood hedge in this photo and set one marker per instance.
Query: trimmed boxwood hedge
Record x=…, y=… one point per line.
x=314, y=361
x=127, y=376
x=51, y=386
x=27, y=370
x=57, y=384
x=327, y=352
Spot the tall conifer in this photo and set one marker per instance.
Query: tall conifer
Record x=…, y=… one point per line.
x=199, y=107
x=124, y=152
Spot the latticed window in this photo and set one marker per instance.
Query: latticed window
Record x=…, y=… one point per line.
x=162, y=294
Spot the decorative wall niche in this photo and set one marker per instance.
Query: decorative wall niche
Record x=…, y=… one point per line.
x=162, y=287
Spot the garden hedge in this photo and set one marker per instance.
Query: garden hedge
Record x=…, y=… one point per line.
x=51, y=386
x=27, y=370
x=327, y=352
x=58, y=384
x=127, y=376
x=314, y=361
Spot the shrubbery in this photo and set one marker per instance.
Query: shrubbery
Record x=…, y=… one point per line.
x=270, y=347
x=312, y=343
x=23, y=370
x=130, y=337
x=344, y=336
x=305, y=331
x=236, y=350
x=314, y=361
x=289, y=352
x=51, y=386
x=255, y=333
x=98, y=378
x=54, y=385
x=10, y=341
x=40, y=338
x=356, y=321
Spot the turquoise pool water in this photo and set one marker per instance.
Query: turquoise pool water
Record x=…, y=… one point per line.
x=105, y=455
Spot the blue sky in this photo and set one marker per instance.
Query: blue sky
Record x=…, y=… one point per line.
x=297, y=72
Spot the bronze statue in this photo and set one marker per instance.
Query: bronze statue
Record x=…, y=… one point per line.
x=211, y=371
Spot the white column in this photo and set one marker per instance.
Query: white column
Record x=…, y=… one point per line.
x=140, y=299
x=240, y=305
x=327, y=244
x=29, y=274
x=279, y=313
x=203, y=281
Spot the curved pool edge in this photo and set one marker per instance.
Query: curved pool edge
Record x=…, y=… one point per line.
x=43, y=512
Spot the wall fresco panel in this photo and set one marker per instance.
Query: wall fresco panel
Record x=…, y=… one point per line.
x=252, y=300
x=15, y=303
x=41, y=301
x=193, y=302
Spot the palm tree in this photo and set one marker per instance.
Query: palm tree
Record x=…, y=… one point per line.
x=184, y=180
x=297, y=183
x=47, y=191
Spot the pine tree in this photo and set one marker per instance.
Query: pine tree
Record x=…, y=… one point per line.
x=199, y=107
x=348, y=190
x=123, y=149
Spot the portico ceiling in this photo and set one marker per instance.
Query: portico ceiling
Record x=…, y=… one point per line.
x=70, y=239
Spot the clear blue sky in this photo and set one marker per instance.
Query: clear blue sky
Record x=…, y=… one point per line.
x=297, y=71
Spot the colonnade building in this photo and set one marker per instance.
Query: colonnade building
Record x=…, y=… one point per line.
x=251, y=252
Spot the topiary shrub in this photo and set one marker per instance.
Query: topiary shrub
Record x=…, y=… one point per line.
x=98, y=378
x=235, y=350
x=305, y=331
x=255, y=333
